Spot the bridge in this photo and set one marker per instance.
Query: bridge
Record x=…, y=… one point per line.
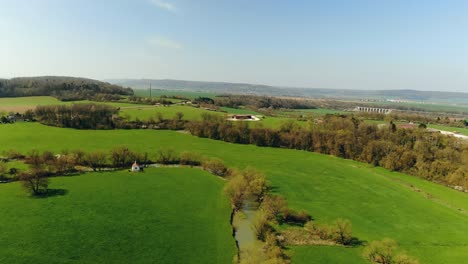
x=373, y=110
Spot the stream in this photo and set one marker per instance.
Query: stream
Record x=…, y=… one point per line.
x=245, y=234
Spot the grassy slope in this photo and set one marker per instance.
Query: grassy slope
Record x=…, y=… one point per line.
x=164, y=215
x=20, y=104
x=29, y=101
x=379, y=203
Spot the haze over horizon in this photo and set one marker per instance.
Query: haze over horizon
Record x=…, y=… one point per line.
x=419, y=45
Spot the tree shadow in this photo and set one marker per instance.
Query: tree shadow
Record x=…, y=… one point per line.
x=273, y=189
x=355, y=242
x=52, y=193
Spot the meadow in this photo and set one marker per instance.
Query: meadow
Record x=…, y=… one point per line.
x=463, y=131
x=159, y=92
x=429, y=221
x=164, y=215
x=21, y=104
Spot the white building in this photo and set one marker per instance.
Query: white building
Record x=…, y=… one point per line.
x=136, y=167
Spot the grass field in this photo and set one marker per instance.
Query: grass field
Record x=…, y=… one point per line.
x=157, y=92
x=240, y=111
x=327, y=254
x=164, y=215
x=463, y=131
x=431, y=224
x=21, y=104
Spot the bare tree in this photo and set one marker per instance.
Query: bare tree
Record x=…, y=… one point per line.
x=35, y=182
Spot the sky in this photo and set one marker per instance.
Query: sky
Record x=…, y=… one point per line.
x=345, y=44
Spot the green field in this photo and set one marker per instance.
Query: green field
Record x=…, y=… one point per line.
x=21, y=104
x=463, y=131
x=430, y=223
x=157, y=92
x=28, y=101
x=164, y=215
x=327, y=254
x=240, y=111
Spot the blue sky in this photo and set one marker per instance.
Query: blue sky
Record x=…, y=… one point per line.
x=319, y=44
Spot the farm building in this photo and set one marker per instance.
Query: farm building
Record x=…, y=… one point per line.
x=244, y=118
x=136, y=167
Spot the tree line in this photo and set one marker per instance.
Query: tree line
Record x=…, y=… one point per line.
x=43, y=165
x=63, y=88
x=431, y=156
x=81, y=116
x=259, y=102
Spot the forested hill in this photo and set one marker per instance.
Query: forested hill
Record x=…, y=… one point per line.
x=244, y=88
x=63, y=88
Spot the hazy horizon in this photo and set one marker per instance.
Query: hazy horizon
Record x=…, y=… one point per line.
x=361, y=45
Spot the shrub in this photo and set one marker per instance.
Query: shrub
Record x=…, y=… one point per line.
x=235, y=189
x=262, y=226
x=273, y=206
x=381, y=251
x=168, y=156
x=121, y=157
x=3, y=169
x=322, y=231
x=190, y=158
x=14, y=154
x=299, y=218
x=96, y=160
x=35, y=182
x=216, y=167
x=343, y=231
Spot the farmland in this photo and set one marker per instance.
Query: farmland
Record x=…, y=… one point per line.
x=166, y=215
x=428, y=220
x=21, y=104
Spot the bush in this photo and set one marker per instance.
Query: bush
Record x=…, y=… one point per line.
x=385, y=252
x=190, y=158
x=216, y=167
x=322, y=231
x=273, y=206
x=35, y=182
x=298, y=218
x=122, y=157
x=262, y=226
x=343, y=231
x=168, y=156
x=96, y=160
x=14, y=154
x=235, y=189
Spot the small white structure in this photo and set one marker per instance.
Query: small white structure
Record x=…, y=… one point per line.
x=136, y=167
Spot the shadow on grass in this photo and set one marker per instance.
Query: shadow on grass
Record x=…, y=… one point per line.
x=51, y=193
x=355, y=242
